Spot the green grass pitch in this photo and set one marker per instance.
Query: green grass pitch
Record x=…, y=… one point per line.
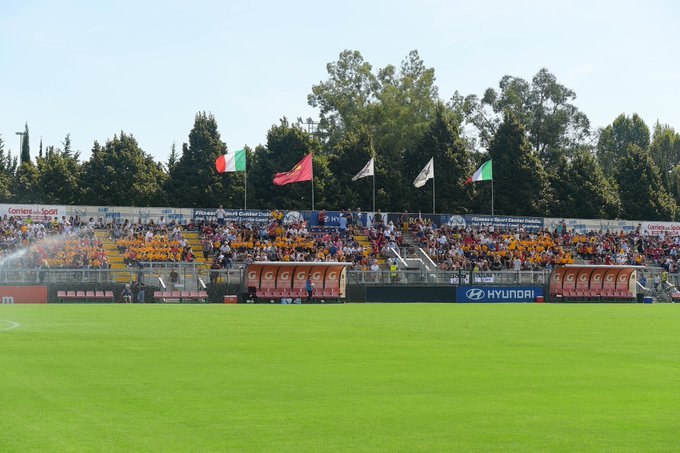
x=344, y=378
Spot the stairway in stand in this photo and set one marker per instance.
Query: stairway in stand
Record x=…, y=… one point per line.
x=114, y=257
x=194, y=240
x=366, y=243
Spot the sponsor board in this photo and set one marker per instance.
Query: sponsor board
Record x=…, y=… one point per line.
x=656, y=228
x=37, y=212
x=332, y=218
x=234, y=215
x=506, y=222
x=23, y=294
x=497, y=294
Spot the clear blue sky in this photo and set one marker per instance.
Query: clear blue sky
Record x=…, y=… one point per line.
x=92, y=68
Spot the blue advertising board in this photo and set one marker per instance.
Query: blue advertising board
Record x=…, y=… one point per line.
x=497, y=294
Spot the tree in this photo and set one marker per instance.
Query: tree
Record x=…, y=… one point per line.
x=616, y=139
x=172, y=160
x=521, y=184
x=554, y=125
x=59, y=178
x=194, y=181
x=67, y=151
x=583, y=191
x=642, y=193
x=395, y=105
x=665, y=150
x=8, y=167
x=25, y=146
x=286, y=146
x=452, y=162
x=26, y=188
x=345, y=160
x=345, y=96
x=120, y=173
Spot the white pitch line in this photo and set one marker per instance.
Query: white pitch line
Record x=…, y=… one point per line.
x=12, y=325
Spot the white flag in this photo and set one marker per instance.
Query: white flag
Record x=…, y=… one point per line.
x=427, y=173
x=366, y=171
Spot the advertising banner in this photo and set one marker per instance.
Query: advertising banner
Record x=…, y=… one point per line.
x=23, y=294
x=234, y=215
x=505, y=222
x=108, y=213
x=497, y=294
x=36, y=211
x=655, y=228
x=332, y=218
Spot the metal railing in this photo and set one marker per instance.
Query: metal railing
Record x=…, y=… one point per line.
x=424, y=277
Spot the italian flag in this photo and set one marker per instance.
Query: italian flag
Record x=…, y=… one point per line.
x=483, y=173
x=232, y=161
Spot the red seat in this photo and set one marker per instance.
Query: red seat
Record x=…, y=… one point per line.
x=194, y=294
x=108, y=294
x=184, y=294
x=158, y=294
x=569, y=293
x=80, y=295
x=175, y=294
x=89, y=295
x=99, y=295
x=625, y=294
x=203, y=294
x=61, y=294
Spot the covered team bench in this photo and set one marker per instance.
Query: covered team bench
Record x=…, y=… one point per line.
x=85, y=296
x=593, y=283
x=273, y=281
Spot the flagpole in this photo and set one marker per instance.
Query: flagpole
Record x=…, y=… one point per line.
x=245, y=189
x=491, y=196
x=374, y=190
x=312, y=192
x=433, y=211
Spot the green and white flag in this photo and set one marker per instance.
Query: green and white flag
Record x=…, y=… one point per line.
x=483, y=173
x=232, y=161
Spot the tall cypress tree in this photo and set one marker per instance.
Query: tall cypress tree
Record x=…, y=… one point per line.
x=25, y=146
x=643, y=196
x=521, y=184
x=194, y=181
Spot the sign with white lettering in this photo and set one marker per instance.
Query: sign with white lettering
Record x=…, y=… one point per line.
x=497, y=294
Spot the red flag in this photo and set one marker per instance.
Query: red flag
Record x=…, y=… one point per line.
x=303, y=171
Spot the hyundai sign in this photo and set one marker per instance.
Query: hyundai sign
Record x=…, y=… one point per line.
x=497, y=294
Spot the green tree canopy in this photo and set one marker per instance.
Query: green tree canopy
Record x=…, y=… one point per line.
x=452, y=166
x=194, y=181
x=120, y=173
x=521, y=184
x=616, y=139
x=59, y=177
x=582, y=189
x=286, y=146
x=642, y=194
x=554, y=125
